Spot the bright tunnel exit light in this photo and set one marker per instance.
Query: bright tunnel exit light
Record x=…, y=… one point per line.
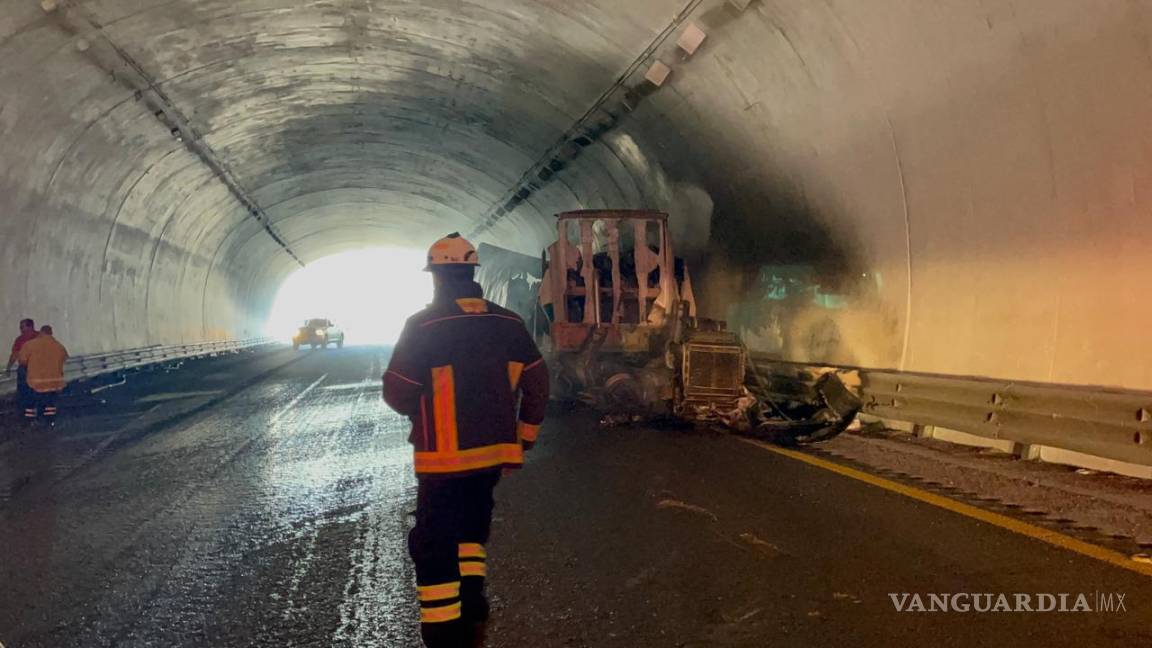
x=368, y=293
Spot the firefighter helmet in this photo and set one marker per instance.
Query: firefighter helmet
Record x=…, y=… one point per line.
x=452, y=250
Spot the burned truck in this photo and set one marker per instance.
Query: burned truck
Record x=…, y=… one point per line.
x=621, y=333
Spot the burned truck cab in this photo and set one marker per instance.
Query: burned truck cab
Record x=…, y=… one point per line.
x=622, y=334
x=610, y=274
x=621, y=311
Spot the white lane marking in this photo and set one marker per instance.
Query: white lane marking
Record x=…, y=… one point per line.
x=364, y=385
x=378, y=607
x=299, y=397
x=159, y=398
x=65, y=472
x=191, y=490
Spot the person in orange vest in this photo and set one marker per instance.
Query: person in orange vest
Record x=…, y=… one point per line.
x=27, y=332
x=43, y=357
x=469, y=376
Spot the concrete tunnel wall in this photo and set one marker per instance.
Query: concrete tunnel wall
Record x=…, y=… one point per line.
x=954, y=186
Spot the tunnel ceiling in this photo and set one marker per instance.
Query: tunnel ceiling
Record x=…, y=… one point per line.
x=344, y=121
x=243, y=138
x=927, y=170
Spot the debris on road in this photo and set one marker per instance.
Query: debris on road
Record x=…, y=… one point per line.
x=671, y=503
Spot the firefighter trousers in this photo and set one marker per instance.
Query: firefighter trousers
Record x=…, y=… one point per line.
x=453, y=521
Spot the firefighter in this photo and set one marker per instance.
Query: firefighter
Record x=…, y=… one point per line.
x=27, y=332
x=469, y=376
x=43, y=357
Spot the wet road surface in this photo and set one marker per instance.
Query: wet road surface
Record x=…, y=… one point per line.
x=263, y=499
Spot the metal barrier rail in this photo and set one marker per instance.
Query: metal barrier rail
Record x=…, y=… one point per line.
x=1105, y=422
x=85, y=367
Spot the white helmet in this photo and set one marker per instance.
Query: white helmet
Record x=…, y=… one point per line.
x=452, y=250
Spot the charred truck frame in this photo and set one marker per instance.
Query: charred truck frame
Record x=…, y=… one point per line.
x=623, y=335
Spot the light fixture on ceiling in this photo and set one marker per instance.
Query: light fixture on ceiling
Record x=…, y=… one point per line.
x=658, y=73
x=691, y=39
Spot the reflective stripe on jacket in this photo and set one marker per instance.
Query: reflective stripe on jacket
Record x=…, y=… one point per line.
x=469, y=376
x=44, y=357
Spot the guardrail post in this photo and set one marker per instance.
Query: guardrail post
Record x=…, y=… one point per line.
x=1026, y=451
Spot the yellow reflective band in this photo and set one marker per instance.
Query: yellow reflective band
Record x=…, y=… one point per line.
x=440, y=614
x=439, y=592
x=471, y=459
x=1042, y=534
x=472, y=305
x=472, y=550
x=514, y=371
x=444, y=408
x=473, y=569
x=528, y=432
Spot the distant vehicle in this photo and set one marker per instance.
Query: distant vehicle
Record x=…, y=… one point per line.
x=318, y=333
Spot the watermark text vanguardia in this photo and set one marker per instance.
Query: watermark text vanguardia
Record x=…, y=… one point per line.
x=985, y=602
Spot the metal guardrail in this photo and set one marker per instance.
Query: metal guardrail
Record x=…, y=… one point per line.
x=1104, y=422
x=85, y=367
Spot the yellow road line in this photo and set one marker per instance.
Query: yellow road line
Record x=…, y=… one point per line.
x=1003, y=521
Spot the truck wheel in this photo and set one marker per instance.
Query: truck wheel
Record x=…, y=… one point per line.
x=313, y=346
x=340, y=344
x=295, y=346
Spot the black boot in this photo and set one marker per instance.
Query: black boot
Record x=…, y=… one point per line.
x=478, y=633
x=450, y=634
x=475, y=611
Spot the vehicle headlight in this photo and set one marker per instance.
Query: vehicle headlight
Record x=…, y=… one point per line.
x=319, y=331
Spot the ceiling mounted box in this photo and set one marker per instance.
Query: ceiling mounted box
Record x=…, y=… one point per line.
x=691, y=39
x=658, y=74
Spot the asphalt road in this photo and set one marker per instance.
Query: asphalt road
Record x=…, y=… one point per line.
x=263, y=500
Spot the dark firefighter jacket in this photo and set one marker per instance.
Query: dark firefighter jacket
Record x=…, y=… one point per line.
x=469, y=376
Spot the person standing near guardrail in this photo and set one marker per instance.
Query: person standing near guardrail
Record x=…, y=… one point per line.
x=44, y=359
x=27, y=332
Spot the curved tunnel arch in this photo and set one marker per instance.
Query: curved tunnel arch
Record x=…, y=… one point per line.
x=959, y=187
